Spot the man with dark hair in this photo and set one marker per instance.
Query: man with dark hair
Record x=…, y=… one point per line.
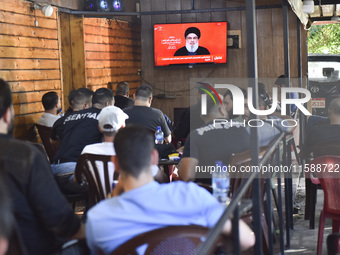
x=80, y=99
x=326, y=132
x=41, y=212
x=122, y=99
x=215, y=141
x=51, y=103
x=192, y=35
x=80, y=129
x=142, y=114
x=102, y=97
x=146, y=205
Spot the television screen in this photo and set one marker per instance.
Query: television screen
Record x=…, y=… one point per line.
x=190, y=43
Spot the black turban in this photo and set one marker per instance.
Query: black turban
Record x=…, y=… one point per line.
x=194, y=30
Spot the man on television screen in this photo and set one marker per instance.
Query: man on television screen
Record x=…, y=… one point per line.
x=192, y=35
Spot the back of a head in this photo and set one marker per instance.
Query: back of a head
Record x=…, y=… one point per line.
x=213, y=107
x=122, y=88
x=101, y=97
x=281, y=81
x=80, y=97
x=143, y=92
x=49, y=100
x=5, y=97
x=133, y=146
x=70, y=96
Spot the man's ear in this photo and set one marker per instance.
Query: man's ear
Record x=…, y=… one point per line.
x=134, y=97
x=154, y=157
x=150, y=100
x=7, y=117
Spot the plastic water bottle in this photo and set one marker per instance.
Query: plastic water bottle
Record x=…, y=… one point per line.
x=221, y=183
x=159, y=136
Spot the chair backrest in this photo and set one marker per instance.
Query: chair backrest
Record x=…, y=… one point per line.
x=170, y=240
x=99, y=173
x=238, y=160
x=45, y=134
x=327, y=170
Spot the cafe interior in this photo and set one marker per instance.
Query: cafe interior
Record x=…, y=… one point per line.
x=60, y=45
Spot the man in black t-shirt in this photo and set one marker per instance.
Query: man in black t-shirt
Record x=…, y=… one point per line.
x=80, y=129
x=210, y=143
x=324, y=133
x=142, y=114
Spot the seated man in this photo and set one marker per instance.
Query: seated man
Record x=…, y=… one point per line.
x=215, y=141
x=146, y=205
x=142, y=114
x=122, y=99
x=78, y=99
x=51, y=103
x=42, y=214
x=326, y=132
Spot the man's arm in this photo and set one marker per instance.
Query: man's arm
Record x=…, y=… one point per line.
x=167, y=139
x=48, y=202
x=186, y=169
x=246, y=235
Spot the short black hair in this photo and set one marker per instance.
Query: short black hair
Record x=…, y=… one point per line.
x=144, y=92
x=282, y=80
x=122, y=88
x=49, y=100
x=134, y=145
x=6, y=215
x=102, y=96
x=5, y=97
x=70, y=96
x=81, y=96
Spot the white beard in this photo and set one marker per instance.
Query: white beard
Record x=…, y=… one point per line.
x=191, y=49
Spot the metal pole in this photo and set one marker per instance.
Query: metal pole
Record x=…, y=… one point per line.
x=253, y=75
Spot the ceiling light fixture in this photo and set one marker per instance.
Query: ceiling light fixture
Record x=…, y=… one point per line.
x=308, y=6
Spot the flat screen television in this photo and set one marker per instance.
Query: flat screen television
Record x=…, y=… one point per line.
x=190, y=43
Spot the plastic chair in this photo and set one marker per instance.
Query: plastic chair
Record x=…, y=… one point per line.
x=171, y=240
x=318, y=150
x=329, y=178
x=45, y=134
x=98, y=176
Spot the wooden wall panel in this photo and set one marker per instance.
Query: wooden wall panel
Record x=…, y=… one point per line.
x=29, y=60
x=112, y=53
x=176, y=81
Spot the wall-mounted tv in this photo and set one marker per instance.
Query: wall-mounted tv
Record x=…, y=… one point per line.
x=190, y=43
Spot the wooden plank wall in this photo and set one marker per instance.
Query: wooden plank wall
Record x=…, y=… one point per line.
x=112, y=52
x=176, y=81
x=29, y=60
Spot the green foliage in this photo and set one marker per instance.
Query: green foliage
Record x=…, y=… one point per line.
x=324, y=39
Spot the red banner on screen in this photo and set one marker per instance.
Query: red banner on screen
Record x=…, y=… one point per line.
x=168, y=38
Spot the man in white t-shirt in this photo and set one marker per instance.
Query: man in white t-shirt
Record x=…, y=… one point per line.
x=110, y=120
x=51, y=103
